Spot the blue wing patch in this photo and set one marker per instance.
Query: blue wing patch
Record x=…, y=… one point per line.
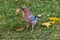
x=34, y=18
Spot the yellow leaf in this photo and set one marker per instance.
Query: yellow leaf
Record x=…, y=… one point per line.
x=55, y=20
x=47, y=24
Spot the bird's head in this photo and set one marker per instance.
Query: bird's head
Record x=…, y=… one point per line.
x=25, y=9
x=37, y=16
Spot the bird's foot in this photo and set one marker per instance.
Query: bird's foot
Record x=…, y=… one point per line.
x=31, y=31
x=27, y=29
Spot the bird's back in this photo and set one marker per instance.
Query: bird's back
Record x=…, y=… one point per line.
x=30, y=18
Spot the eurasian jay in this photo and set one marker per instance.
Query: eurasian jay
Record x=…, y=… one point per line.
x=29, y=18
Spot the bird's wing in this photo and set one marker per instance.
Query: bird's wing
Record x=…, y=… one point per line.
x=31, y=18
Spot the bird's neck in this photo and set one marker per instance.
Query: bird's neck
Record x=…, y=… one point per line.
x=27, y=12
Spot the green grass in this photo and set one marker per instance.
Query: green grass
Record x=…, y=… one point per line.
x=9, y=20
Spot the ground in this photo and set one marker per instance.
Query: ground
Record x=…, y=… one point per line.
x=10, y=19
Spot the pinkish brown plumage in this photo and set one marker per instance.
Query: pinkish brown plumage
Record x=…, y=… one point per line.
x=29, y=18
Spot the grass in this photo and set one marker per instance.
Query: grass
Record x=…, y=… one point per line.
x=9, y=20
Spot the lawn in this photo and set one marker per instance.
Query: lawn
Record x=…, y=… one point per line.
x=10, y=20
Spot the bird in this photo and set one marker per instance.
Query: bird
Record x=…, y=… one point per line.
x=29, y=18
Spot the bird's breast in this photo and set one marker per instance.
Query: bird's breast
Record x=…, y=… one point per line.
x=25, y=17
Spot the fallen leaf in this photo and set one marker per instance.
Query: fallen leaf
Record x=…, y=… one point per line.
x=19, y=29
x=47, y=24
x=17, y=10
x=54, y=20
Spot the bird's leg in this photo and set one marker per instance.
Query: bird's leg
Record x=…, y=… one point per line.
x=32, y=28
x=27, y=26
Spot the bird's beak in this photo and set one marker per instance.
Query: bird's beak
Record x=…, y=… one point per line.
x=37, y=17
x=22, y=8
